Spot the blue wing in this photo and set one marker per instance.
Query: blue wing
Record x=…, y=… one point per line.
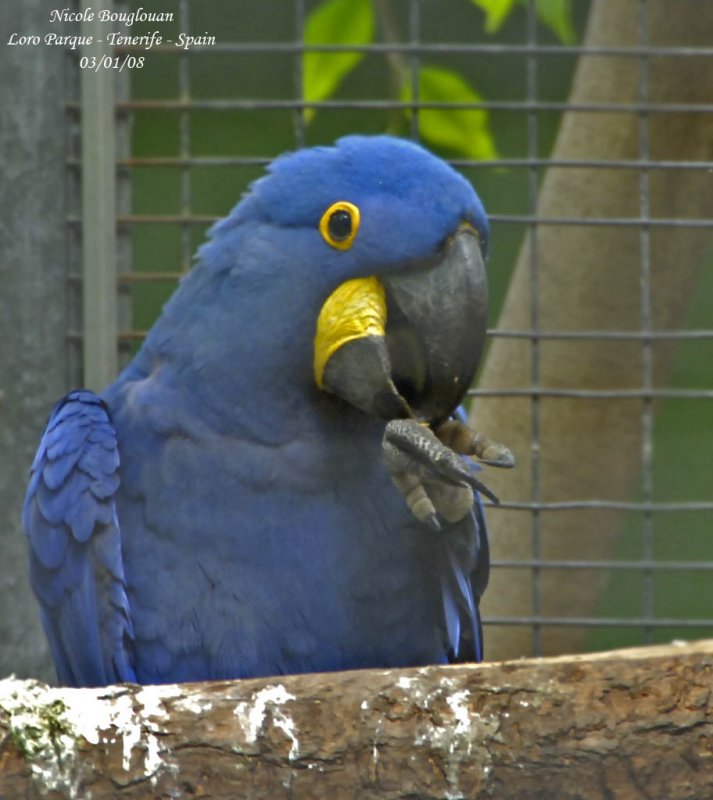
x=76, y=566
x=465, y=569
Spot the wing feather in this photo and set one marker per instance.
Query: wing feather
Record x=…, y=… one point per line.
x=76, y=565
x=464, y=577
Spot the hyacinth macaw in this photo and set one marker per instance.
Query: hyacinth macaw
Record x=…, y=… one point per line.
x=274, y=484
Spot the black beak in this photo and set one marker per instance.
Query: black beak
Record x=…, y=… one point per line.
x=423, y=362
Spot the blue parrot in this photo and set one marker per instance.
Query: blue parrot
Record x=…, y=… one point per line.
x=275, y=483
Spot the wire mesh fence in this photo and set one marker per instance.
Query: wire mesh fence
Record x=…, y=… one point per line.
x=188, y=131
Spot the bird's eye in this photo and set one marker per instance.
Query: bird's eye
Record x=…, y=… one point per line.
x=339, y=224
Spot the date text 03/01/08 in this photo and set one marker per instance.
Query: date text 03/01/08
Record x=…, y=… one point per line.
x=95, y=63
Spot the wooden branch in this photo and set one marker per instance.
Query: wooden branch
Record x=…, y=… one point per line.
x=625, y=724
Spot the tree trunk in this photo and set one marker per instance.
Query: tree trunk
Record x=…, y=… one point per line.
x=34, y=319
x=627, y=724
x=590, y=278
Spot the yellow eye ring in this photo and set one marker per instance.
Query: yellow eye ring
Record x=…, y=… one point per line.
x=339, y=224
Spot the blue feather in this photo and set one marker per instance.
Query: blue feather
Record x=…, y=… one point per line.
x=76, y=564
x=57, y=469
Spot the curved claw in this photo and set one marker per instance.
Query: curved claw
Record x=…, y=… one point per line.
x=497, y=455
x=462, y=439
x=416, y=498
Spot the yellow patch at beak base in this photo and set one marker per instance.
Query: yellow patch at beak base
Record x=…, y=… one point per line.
x=355, y=309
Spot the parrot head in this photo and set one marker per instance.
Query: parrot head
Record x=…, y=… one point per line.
x=389, y=243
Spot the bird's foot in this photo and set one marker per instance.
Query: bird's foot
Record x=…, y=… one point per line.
x=432, y=477
x=462, y=439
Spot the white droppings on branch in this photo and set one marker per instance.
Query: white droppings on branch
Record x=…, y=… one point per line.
x=137, y=720
x=48, y=725
x=251, y=715
x=194, y=706
x=45, y=734
x=459, y=735
x=458, y=703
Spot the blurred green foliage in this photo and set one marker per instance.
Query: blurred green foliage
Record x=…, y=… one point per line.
x=682, y=470
x=555, y=14
x=461, y=131
x=334, y=22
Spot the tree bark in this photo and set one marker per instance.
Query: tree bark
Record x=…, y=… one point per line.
x=590, y=278
x=625, y=724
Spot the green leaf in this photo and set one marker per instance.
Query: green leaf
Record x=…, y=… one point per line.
x=496, y=12
x=334, y=22
x=554, y=14
x=462, y=130
x=557, y=16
